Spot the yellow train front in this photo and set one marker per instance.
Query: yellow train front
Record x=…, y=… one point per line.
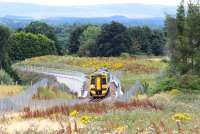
x=99, y=84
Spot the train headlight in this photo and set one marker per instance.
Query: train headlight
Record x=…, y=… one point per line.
x=92, y=86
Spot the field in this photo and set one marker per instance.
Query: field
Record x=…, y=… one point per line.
x=171, y=112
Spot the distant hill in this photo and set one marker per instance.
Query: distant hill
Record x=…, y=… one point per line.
x=20, y=22
x=12, y=14
x=128, y=10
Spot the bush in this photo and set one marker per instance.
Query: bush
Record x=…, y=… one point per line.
x=184, y=83
x=5, y=78
x=26, y=45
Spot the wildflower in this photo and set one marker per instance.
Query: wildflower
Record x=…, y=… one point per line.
x=121, y=129
x=181, y=117
x=74, y=114
x=85, y=119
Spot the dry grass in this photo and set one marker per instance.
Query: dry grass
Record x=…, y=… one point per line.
x=92, y=108
x=10, y=90
x=52, y=93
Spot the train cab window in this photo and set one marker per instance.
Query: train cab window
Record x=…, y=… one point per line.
x=103, y=81
x=93, y=80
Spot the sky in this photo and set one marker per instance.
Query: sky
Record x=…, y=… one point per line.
x=93, y=2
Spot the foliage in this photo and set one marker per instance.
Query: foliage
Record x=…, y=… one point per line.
x=5, y=62
x=37, y=27
x=183, y=42
x=112, y=41
x=5, y=78
x=183, y=39
x=26, y=45
x=88, y=40
x=184, y=83
x=63, y=35
x=74, y=39
x=4, y=35
x=146, y=40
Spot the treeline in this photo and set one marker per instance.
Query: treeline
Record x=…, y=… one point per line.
x=183, y=41
x=114, y=39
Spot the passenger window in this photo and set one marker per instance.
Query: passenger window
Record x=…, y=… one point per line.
x=93, y=81
x=103, y=81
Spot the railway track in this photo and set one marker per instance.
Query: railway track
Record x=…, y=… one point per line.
x=95, y=100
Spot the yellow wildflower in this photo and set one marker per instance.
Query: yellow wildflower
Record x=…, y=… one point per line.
x=74, y=113
x=85, y=119
x=181, y=117
x=121, y=129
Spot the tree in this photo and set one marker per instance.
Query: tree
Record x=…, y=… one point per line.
x=184, y=40
x=88, y=40
x=74, y=39
x=193, y=34
x=37, y=27
x=113, y=40
x=171, y=36
x=181, y=58
x=5, y=62
x=4, y=35
x=146, y=40
x=26, y=45
x=157, y=42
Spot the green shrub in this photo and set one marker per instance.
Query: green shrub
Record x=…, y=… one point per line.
x=5, y=78
x=184, y=83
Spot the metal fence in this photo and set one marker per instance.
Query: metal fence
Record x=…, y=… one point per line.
x=15, y=103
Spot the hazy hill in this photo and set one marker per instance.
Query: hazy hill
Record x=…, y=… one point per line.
x=12, y=14
x=128, y=10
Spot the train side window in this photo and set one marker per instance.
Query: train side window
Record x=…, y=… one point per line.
x=93, y=81
x=103, y=81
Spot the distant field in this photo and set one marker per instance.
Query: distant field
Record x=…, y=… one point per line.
x=135, y=65
x=10, y=90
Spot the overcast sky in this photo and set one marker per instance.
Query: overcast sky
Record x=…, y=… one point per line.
x=93, y=2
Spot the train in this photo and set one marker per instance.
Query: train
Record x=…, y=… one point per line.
x=103, y=84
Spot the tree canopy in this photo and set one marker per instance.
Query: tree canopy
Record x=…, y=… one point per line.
x=113, y=40
x=38, y=27
x=88, y=40
x=26, y=45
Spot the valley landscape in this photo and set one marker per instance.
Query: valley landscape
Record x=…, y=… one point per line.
x=105, y=69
